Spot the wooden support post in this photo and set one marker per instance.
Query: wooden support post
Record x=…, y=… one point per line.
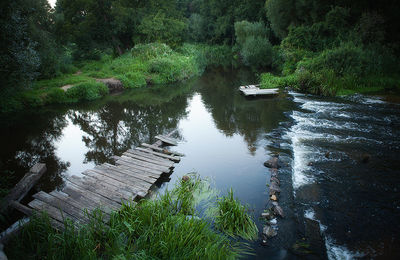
x=23, y=186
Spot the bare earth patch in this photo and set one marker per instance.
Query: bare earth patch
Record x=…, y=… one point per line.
x=66, y=87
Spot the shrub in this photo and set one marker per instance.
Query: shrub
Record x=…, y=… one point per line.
x=87, y=91
x=257, y=51
x=56, y=96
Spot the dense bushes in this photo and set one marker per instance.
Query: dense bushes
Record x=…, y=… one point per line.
x=253, y=44
x=327, y=56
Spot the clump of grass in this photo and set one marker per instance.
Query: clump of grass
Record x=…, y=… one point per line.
x=158, y=228
x=87, y=91
x=233, y=219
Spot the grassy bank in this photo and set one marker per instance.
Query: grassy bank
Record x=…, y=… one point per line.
x=165, y=227
x=143, y=65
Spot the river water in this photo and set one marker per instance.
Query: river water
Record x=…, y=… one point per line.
x=339, y=156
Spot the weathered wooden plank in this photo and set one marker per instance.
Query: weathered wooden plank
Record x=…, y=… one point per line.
x=155, y=161
x=81, y=204
x=66, y=208
x=51, y=211
x=147, y=171
x=167, y=140
x=84, y=185
x=111, y=188
x=173, y=158
x=124, y=178
x=143, y=163
x=131, y=172
x=149, y=155
x=77, y=193
x=162, y=150
x=23, y=186
x=21, y=208
x=133, y=189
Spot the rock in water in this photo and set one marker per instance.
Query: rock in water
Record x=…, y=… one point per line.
x=267, y=214
x=274, y=187
x=278, y=211
x=185, y=178
x=274, y=179
x=365, y=157
x=272, y=163
x=269, y=232
x=274, y=198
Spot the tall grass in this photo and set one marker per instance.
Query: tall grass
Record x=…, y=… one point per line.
x=232, y=218
x=158, y=228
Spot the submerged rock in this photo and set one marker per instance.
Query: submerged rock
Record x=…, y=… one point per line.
x=269, y=232
x=278, y=211
x=267, y=214
x=274, y=187
x=365, y=157
x=274, y=179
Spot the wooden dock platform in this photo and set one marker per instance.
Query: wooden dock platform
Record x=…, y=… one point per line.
x=107, y=186
x=254, y=90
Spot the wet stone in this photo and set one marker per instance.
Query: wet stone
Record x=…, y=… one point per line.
x=269, y=232
x=278, y=211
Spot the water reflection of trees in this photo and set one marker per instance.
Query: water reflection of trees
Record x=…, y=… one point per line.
x=119, y=125
x=28, y=139
x=233, y=113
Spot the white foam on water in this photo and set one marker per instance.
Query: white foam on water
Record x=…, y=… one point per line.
x=336, y=252
x=300, y=158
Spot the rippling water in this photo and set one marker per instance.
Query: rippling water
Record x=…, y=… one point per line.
x=345, y=172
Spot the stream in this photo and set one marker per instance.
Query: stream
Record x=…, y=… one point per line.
x=340, y=156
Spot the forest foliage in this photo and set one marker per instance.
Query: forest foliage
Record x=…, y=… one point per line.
x=324, y=47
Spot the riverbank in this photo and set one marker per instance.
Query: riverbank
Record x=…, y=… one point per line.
x=164, y=227
x=144, y=65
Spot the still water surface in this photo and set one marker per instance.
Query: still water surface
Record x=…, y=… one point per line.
x=227, y=138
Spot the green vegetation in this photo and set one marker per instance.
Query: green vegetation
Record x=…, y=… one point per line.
x=161, y=228
x=333, y=49
x=232, y=218
x=326, y=47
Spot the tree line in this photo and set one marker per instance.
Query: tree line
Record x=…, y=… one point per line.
x=38, y=41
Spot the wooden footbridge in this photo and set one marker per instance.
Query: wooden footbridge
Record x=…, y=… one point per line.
x=107, y=186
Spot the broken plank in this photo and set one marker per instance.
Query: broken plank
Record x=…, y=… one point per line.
x=167, y=140
x=67, y=208
x=170, y=157
x=162, y=150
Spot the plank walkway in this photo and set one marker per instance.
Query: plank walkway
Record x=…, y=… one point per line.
x=107, y=186
x=254, y=90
